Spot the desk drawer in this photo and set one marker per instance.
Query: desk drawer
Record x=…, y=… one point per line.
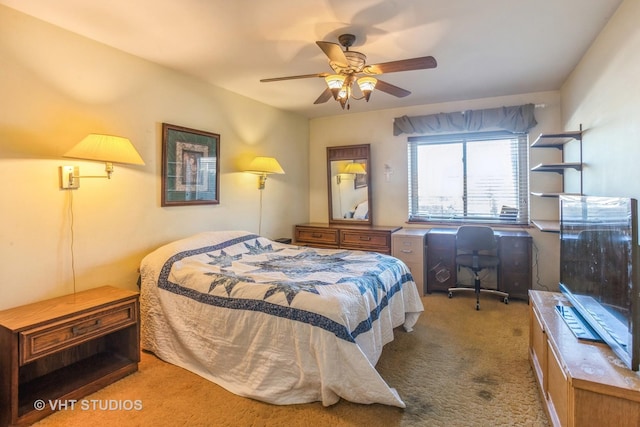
x=408, y=249
x=322, y=236
x=514, y=261
x=45, y=340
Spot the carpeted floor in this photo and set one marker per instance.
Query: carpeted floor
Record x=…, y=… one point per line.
x=459, y=367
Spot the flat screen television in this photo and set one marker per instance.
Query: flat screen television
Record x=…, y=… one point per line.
x=599, y=269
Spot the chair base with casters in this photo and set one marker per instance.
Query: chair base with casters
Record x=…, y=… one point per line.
x=470, y=242
x=477, y=289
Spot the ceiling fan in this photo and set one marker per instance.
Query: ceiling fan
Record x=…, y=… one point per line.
x=350, y=67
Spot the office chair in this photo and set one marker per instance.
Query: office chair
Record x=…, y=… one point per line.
x=471, y=240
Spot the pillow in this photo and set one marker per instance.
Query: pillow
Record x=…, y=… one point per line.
x=362, y=210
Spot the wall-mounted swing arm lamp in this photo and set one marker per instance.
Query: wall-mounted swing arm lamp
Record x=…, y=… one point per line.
x=355, y=168
x=263, y=166
x=351, y=170
x=104, y=148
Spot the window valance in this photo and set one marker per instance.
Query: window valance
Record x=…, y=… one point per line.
x=516, y=119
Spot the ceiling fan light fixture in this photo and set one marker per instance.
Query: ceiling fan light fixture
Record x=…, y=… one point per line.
x=367, y=84
x=335, y=83
x=348, y=64
x=343, y=97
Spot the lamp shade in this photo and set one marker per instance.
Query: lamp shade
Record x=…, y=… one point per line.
x=354, y=168
x=367, y=84
x=265, y=165
x=106, y=148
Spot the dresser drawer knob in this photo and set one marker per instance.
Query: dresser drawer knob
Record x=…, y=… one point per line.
x=406, y=251
x=316, y=235
x=77, y=330
x=365, y=238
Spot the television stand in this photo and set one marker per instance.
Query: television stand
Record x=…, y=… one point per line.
x=582, y=383
x=577, y=324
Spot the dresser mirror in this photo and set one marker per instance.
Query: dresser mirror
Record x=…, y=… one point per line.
x=349, y=184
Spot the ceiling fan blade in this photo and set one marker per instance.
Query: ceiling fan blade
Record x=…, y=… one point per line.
x=302, y=76
x=334, y=52
x=421, y=63
x=391, y=89
x=324, y=97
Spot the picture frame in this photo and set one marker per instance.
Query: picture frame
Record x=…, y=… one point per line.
x=190, y=166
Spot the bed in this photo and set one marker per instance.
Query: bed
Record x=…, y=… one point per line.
x=279, y=323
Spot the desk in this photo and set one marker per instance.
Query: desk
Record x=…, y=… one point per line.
x=514, y=270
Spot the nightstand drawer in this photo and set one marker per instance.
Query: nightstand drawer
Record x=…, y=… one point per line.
x=317, y=235
x=45, y=340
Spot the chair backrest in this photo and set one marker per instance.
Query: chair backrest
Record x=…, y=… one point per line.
x=475, y=238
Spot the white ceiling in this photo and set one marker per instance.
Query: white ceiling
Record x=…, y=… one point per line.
x=484, y=48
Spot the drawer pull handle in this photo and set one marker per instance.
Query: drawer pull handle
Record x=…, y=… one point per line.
x=77, y=330
x=316, y=235
x=406, y=251
x=365, y=238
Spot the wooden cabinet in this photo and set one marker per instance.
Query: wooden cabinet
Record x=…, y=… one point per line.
x=514, y=270
x=65, y=348
x=408, y=245
x=340, y=236
x=558, y=141
x=582, y=383
x=441, y=259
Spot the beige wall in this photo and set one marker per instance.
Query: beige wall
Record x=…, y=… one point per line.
x=603, y=94
x=56, y=87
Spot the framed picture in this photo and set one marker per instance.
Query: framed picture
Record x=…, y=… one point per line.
x=190, y=166
x=360, y=178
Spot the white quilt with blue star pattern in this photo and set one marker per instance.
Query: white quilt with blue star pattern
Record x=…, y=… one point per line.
x=279, y=323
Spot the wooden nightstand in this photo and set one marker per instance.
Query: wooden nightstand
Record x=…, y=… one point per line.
x=65, y=348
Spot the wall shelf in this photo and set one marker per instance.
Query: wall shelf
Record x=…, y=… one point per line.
x=548, y=194
x=548, y=225
x=556, y=167
x=557, y=141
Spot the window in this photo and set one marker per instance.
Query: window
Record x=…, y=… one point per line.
x=474, y=177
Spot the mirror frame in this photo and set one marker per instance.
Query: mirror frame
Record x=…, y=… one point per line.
x=349, y=152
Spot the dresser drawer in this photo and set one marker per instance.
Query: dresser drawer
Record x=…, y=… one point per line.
x=322, y=236
x=364, y=240
x=42, y=341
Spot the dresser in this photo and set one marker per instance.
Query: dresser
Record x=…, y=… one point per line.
x=344, y=236
x=57, y=351
x=408, y=245
x=581, y=383
x=514, y=270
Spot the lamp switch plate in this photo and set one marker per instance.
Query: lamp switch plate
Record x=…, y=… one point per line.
x=67, y=180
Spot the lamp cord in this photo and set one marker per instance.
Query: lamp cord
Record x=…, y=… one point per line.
x=260, y=216
x=73, y=261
